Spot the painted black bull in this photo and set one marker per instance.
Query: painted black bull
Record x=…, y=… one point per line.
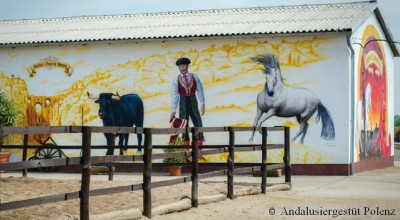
x=121, y=111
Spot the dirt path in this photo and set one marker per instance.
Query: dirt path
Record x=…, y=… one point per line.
x=373, y=194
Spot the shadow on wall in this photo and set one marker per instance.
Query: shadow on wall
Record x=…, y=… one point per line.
x=397, y=128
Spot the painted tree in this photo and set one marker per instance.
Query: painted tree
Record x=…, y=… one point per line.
x=9, y=113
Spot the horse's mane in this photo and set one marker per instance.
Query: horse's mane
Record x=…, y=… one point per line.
x=268, y=60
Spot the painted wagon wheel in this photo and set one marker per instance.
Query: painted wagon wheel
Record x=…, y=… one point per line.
x=47, y=151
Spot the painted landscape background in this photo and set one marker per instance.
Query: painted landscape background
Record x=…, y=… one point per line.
x=231, y=82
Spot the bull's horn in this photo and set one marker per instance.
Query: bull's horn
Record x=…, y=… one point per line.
x=115, y=97
x=90, y=96
x=118, y=94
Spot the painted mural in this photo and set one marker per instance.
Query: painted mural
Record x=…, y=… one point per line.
x=374, y=138
x=282, y=101
x=50, y=85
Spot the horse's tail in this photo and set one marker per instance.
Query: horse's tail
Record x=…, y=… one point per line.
x=328, y=128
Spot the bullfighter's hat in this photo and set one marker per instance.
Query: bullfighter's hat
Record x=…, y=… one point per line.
x=182, y=60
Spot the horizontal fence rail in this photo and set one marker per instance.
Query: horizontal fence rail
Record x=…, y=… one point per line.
x=86, y=161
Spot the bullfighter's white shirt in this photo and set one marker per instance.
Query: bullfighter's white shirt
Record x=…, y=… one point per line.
x=175, y=93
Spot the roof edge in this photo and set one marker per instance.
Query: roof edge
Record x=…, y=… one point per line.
x=386, y=32
x=177, y=12
x=253, y=35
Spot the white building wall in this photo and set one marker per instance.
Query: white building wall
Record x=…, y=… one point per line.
x=231, y=82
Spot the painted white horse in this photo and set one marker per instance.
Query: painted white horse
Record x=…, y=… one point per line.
x=279, y=100
x=363, y=123
x=363, y=117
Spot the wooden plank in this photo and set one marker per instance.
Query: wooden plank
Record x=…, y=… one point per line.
x=231, y=162
x=101, y=129
x=116, y=189
x=77, y=161
x=125, y=158
x=61, y=147
x=38, y=201
x=147, y=172
x=242, y=164
x=158, y=131
x=210, y=152
x=276, y=128
x=114, y=158
x=275, y=166
x=171, y=155
x=170, y=182
x=167, y=146
x=275, y=146
x=24, y=154
x=212, y=174
x=113, y=129
x=286, y=157
x=48, y=129
x=195, y=167
x=73, y=160
x=103, y=159
x=242, y=149
x=34, y=130
x=245, y=170
x=76, y=129
x=240, y=129
x=238, y=147
x=67, y=196
x=264, y=161
x=34, y=164
x=204, y=146
x=139, y=130
x=213, y=129
x=86, y=165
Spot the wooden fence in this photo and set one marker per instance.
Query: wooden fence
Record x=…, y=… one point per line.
x=86, y=161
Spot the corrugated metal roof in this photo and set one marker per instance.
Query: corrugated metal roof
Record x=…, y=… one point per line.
x=186, y=24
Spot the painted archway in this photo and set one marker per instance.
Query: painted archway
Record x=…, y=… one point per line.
x=374, y=140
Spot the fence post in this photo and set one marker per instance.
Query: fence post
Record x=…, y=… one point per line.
x=86, y=165
x=147, y=172
x=286, y=157
x=264, y=160
x=231, y=161
x=112, y=167
x=111, y=173
x=24, y=154
x=195, y=167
